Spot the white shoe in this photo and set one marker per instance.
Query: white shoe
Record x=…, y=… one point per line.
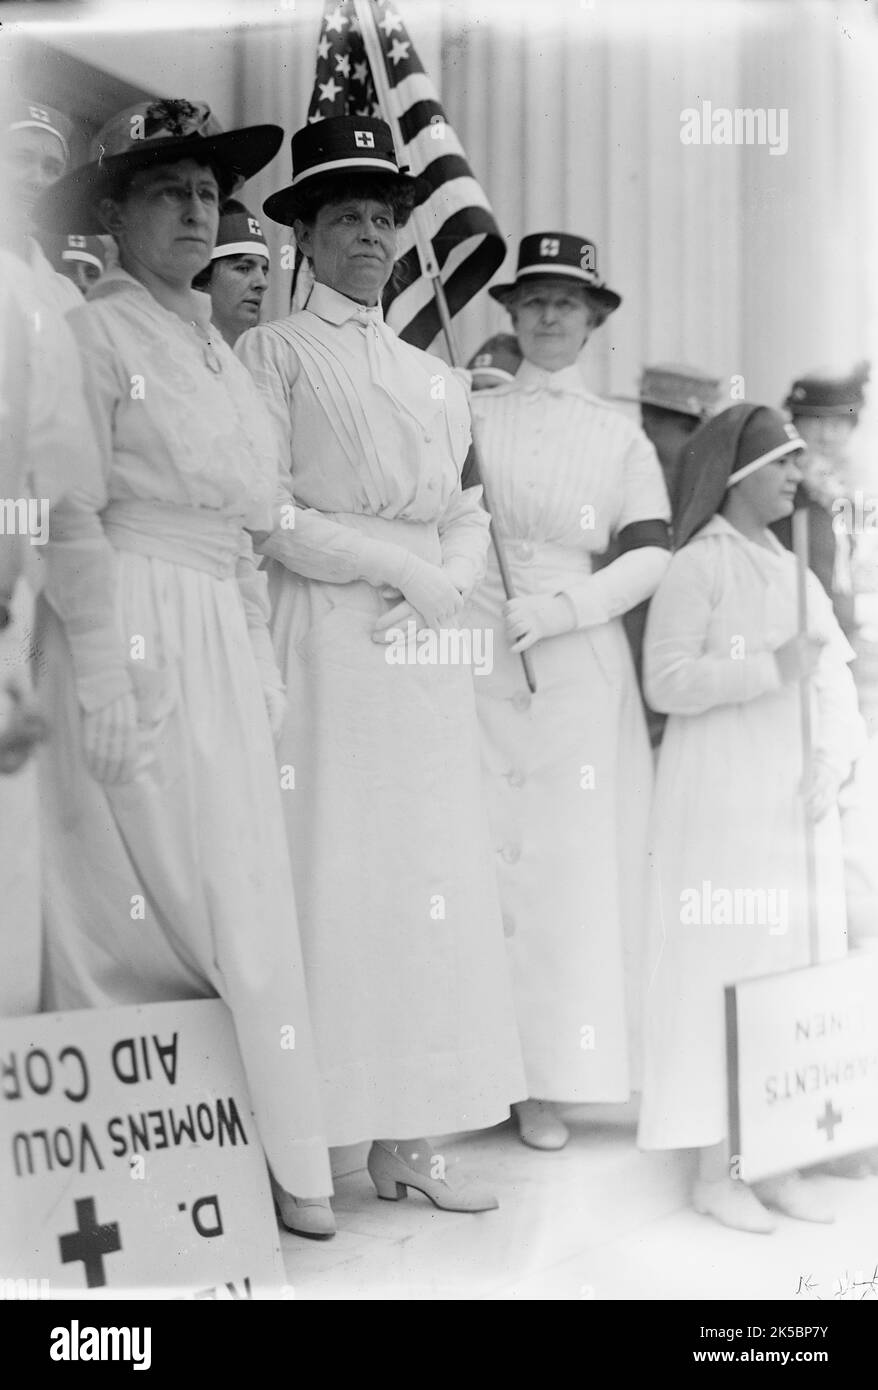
x=734, y=1204
x=795, y=1197
x=538, y=1125
x=306, y=1216
x=392, y=1176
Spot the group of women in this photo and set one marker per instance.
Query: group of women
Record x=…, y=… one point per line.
x=440, y=882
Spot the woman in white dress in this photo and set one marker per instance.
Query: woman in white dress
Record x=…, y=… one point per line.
x=167, y=874
x=722, y=658
x=567, y=771
x=401, y=934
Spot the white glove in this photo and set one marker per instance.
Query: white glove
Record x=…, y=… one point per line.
x=529, y=620
x=462, y=573
x=822, y=792
x=427, y=589
x=276, y=705
x=110, y=740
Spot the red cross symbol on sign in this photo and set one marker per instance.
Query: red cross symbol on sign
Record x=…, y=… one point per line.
x=829, y=1120
x=90, y=1242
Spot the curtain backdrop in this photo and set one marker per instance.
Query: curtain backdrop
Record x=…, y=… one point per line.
x=759, y=266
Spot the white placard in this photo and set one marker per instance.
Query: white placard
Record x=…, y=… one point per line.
x=803, y=1065
x=129, y=1159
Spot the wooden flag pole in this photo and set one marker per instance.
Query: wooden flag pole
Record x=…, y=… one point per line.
x=800, y=547
x=430, y=270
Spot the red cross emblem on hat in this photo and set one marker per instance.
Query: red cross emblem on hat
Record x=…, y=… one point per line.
x=76, y=243
x=39, y=113
x=550, y=246
x=365, y=139
x=254, y=227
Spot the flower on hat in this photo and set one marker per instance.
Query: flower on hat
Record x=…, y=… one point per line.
x=179, y=117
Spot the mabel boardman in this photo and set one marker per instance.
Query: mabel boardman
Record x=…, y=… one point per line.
x=75, y=1343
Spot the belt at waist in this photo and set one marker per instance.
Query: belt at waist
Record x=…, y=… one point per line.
x=419, y=537
x=194, y=536
x=574, y=559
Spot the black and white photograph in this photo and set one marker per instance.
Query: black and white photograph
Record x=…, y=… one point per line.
x=439, y=661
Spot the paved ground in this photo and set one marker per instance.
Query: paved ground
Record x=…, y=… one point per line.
x=597, y=1220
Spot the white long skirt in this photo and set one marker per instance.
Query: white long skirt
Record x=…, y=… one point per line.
x=177, y=885
x=727, y=816
x=568, y=779
x=401, y=935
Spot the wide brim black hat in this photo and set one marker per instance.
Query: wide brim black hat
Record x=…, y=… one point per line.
x=68, y=206
x=340, y=147
x=559, y=256
x=608, y=299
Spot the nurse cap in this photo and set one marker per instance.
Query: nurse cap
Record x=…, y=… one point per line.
x=723, y=451
x=239, y=233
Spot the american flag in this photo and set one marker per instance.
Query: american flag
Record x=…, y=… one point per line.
x=467, y=244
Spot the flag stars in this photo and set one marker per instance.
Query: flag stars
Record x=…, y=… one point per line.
x=323, y=47
x=390, y=23
x=399, y=51
x=361, y=72
x=343, y=64
x=329, y=90
x=336, y=21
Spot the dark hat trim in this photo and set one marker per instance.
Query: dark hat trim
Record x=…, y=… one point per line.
x=609, y=298
x=800, y=411
x=662, y=405
x=67, y=205
x=284, y=206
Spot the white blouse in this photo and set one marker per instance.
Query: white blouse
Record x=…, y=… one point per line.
x=564, y=472
x=366, y=426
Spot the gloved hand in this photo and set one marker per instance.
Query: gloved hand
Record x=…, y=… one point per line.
x=110, y=739
x=276, y=705
x=529, y=620
x=822, y=793
x=429, y=591
x=461, y=572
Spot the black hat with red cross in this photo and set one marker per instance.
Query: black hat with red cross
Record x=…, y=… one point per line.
x=559, y=256
x=339, y=146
